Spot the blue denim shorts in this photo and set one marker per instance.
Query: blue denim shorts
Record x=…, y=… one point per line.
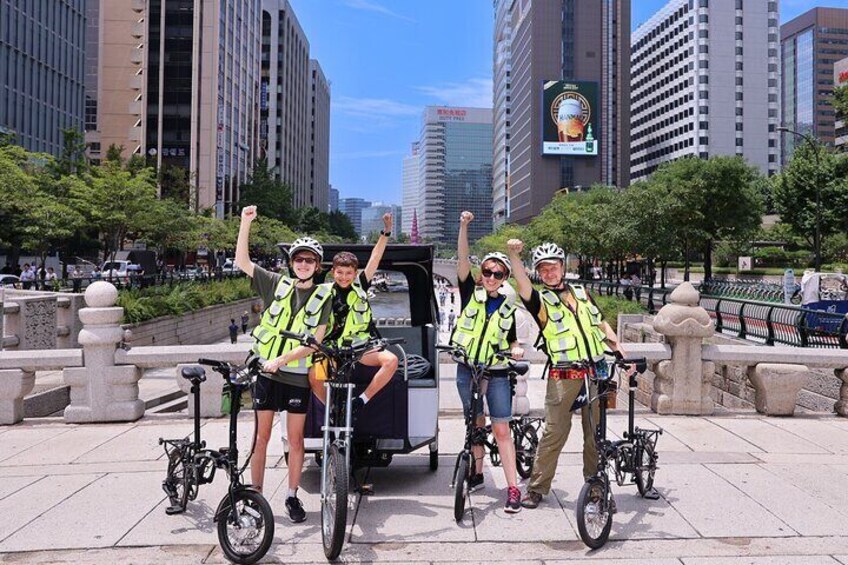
x=498, y=395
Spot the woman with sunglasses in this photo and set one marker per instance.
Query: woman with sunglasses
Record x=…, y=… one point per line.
x=295, y=303
x=485, y=326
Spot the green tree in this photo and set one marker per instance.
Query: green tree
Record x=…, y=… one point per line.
x=174, y=183
x=72, y=158
x=271, y=196
x=313, y=221
x=840, y=102
x=341, y=226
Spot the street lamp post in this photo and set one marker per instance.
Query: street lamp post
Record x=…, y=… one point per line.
x=817, y=181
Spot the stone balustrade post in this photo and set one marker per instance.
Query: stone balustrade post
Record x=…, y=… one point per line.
x=682, y=385
x=841, y=406
x=15, y=384
x=777, y=386
x=210, y=392
x=100, y=391
x=520, y=402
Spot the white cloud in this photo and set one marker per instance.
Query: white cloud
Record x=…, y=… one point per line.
x=367, y=6
x=377, y=111
x=476, y=93
x=366, y=154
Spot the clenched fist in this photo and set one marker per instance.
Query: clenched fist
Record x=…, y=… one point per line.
x=515, y=246
x=248, y=213
x=466, y=218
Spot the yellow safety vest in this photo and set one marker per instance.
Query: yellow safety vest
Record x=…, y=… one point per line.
x=357, y=324
x=568, y=337
x=480, y=336
x=268, y=343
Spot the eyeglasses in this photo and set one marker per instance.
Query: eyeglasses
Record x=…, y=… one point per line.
x=302, y=259
x=487, y=273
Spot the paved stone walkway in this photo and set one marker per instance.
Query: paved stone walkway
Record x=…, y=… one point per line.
x=736, y=488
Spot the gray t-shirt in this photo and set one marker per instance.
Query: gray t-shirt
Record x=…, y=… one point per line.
x=265, y=283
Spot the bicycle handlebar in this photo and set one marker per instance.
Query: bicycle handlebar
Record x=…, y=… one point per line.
x=238, y=374
x=334, y=351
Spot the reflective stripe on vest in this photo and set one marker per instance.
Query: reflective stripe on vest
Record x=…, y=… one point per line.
x=357, y=325
x=268, y=343
x=481, y=337
x=564, y=333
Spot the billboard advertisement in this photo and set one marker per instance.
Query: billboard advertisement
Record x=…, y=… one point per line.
x=570, y=121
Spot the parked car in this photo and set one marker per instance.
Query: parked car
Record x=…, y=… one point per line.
x=10, y=281
x=229, y=266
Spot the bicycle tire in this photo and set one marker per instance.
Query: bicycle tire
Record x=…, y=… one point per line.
x=526, y=444
x=434, y=460
x=334, y=506
x=594, y=524
x=460, y=487
x=254, y=522
x=646, y=467
x=178, y=482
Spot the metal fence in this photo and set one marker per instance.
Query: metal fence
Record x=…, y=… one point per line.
x=133, y=281
x=763, y=322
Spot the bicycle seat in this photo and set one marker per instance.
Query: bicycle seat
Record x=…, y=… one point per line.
x=193, y=373
x=520, y=368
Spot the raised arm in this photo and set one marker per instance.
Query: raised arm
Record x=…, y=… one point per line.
x=242, y=260
x=463, y=267
x=525, y=287
x=379, y=248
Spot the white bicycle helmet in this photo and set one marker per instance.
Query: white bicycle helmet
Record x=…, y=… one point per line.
x=547, y=252
x=500, y=257
x=309, y=244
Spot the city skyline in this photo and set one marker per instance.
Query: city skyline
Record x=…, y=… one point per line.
x=378, y=100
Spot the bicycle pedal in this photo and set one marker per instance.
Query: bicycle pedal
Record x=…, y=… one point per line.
x=365, y=490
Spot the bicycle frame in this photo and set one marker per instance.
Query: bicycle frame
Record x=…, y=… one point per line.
x=342, y=432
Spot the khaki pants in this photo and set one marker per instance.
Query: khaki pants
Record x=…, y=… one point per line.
x=559, y=397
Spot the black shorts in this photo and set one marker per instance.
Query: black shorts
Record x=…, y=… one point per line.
x=280, y=397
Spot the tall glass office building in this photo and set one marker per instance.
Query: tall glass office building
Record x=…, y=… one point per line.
x=810, y=45
x=455, y=172
x=42, y=71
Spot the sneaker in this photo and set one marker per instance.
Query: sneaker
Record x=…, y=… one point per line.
x=475, y=482
x=531, y=499
x=295, y=509
x=513, y=501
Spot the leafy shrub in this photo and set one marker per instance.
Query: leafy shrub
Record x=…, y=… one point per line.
x=152, y=302
x=612, y=306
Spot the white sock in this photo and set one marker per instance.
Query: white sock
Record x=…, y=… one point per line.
x=292, y=493
x=364, y=398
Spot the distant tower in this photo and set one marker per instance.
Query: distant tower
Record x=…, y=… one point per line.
x=413, y=237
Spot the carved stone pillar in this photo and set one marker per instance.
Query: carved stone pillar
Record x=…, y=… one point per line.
x=682, y=385
x=100, y=390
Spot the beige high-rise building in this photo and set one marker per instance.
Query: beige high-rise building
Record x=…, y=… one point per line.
x=319, y=137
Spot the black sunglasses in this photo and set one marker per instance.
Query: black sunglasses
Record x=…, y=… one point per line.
x=499, y=275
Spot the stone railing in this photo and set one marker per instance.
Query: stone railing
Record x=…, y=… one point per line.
x=103, y=378
x=40, y=320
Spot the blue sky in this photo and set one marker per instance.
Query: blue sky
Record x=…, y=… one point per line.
x=387, y=59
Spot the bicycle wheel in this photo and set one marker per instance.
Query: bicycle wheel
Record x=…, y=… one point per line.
x=460, y=487
x=178, y=483
x=646, y=467
x=246, y=535
x=334, y=507
x=526, y=443
x=594, y=520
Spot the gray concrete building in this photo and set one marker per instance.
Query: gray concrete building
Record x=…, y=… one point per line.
x=705, y=83
x=840, y=79
x=319, y=137
x=501, y=75
x=411, y=192
x=352, y=207
x=566, y=40
x=333, y=202
x=455, y=172
x=286, y=122
x=42, y=71
x=810, y=45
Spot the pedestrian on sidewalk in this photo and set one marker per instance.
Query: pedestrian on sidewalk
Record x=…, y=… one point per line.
x=573, y=330
x=451, y=319
x=233, y=331
x=27, y=277
x=486, y=326
x=76, y=278
x=245, y=318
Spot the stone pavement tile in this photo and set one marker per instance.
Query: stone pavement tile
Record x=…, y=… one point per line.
x=27, y=504
x=66, y=448
x=548, y=522
x=824, y=483
x=771, y=560
x=309, y=493
x=650, y=561
x=842, y=558
x=706, y=500
x=767, y=437
x=170, y=554
x=137, y=443
x=817, y=431
x=99, y=515
x=25, y=436
x=12, y=485
x=83, y=469
x=805, y=514
x=701, y=457
x=195, y=525
x=215, y=432
x=699, y=434
x=410, y=504
x=451, y=435
x=802, y=459
x=617, y=425
x=637, y=518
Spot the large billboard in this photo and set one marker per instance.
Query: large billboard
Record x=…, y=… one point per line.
x=570, y=120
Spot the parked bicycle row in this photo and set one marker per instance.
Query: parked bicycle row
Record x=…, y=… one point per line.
x=356, y=395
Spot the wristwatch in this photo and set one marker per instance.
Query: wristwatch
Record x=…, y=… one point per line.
x=386, y=233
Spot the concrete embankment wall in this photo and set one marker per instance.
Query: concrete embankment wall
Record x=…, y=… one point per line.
x=194, y=328
x=731, y=387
